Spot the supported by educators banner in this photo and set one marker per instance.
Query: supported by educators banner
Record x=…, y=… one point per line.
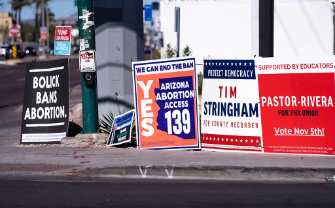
x=297, y=104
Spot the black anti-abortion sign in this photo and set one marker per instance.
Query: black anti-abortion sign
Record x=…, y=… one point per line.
x=45, y=115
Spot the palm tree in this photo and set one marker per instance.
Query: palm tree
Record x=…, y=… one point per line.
x=22, y=4
x=17, y=6
x=38, y=5
x=14, y=7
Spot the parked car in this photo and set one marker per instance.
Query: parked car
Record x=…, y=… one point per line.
x=30, y=50
x=7, y=51
x=147, y=49
x=76, y=49
x=3, y=50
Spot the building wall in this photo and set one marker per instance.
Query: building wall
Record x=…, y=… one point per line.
x=6, y=21
x=119, y=41
x=223, y=28
x=303, y=28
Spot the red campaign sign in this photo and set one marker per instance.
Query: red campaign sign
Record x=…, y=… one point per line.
x=87, y=55
x=63, y=33
x=297, y=112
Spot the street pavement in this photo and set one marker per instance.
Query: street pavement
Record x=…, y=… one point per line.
x=27, y=59
x=48, y=163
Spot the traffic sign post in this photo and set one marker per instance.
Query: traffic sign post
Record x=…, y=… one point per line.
x=43, y=33
x=14, y=30
x=62, y=40
x=148, y=13
x=88, y=79
x=158, y=24
x=177, y=27
x=14, y=51
x=148, y=17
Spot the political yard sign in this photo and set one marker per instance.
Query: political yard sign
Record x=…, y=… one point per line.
x=45, y=115
x=230, y=117
x=121, y=129
x=62, y=40
x=297, y=104
x=166, y=104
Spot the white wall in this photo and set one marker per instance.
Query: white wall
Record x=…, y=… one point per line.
x=303, y=28
x=220, y=29
x=223, y=28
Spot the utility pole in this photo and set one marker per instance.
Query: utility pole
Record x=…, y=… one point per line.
x=262, y=28
x=13, y=18
x=151, y=39
x=3, y=28
x=43, y=25
x=266, y=23
x=48, y=42
x=254, y=28
x=177, y=28
x=88, y=79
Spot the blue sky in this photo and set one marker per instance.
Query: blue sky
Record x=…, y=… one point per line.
x=59, y=7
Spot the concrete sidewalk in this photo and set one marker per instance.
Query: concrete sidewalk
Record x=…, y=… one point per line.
x=64, y=163
x=102, y=164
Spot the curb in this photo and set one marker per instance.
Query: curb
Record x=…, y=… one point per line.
x=211, y=172
x=11, y=63
x=232, y=173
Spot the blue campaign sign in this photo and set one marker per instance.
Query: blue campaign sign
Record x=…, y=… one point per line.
x=62, y=47
x=62, y=40
x=148, y=13
x=121, y=129
x=229, y=69
x=166, y=104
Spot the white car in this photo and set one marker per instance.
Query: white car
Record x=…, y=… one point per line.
x=3, y=50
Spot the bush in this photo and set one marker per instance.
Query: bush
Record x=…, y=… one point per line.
x=200, y=80
x=187, y=51
x=170, y=52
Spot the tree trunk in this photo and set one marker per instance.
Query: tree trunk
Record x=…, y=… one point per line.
x=36, y=22
x=14, y=17
x=20, y=23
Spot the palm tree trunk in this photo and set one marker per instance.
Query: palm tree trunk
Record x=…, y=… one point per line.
x=20, y=23
x=36, y=22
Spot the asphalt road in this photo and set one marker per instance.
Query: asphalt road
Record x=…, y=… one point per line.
x=165, y=193
x=12, y=82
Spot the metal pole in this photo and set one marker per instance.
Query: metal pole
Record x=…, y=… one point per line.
x=266, y=23
x=13, y=39
x=43, y=25
x=89, y=92
x=177, y=27
x=151, y=40
x=3, y=27
x=48, y=42
x=254, y=28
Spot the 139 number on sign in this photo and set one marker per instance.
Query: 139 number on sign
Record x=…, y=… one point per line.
x=181, y=120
